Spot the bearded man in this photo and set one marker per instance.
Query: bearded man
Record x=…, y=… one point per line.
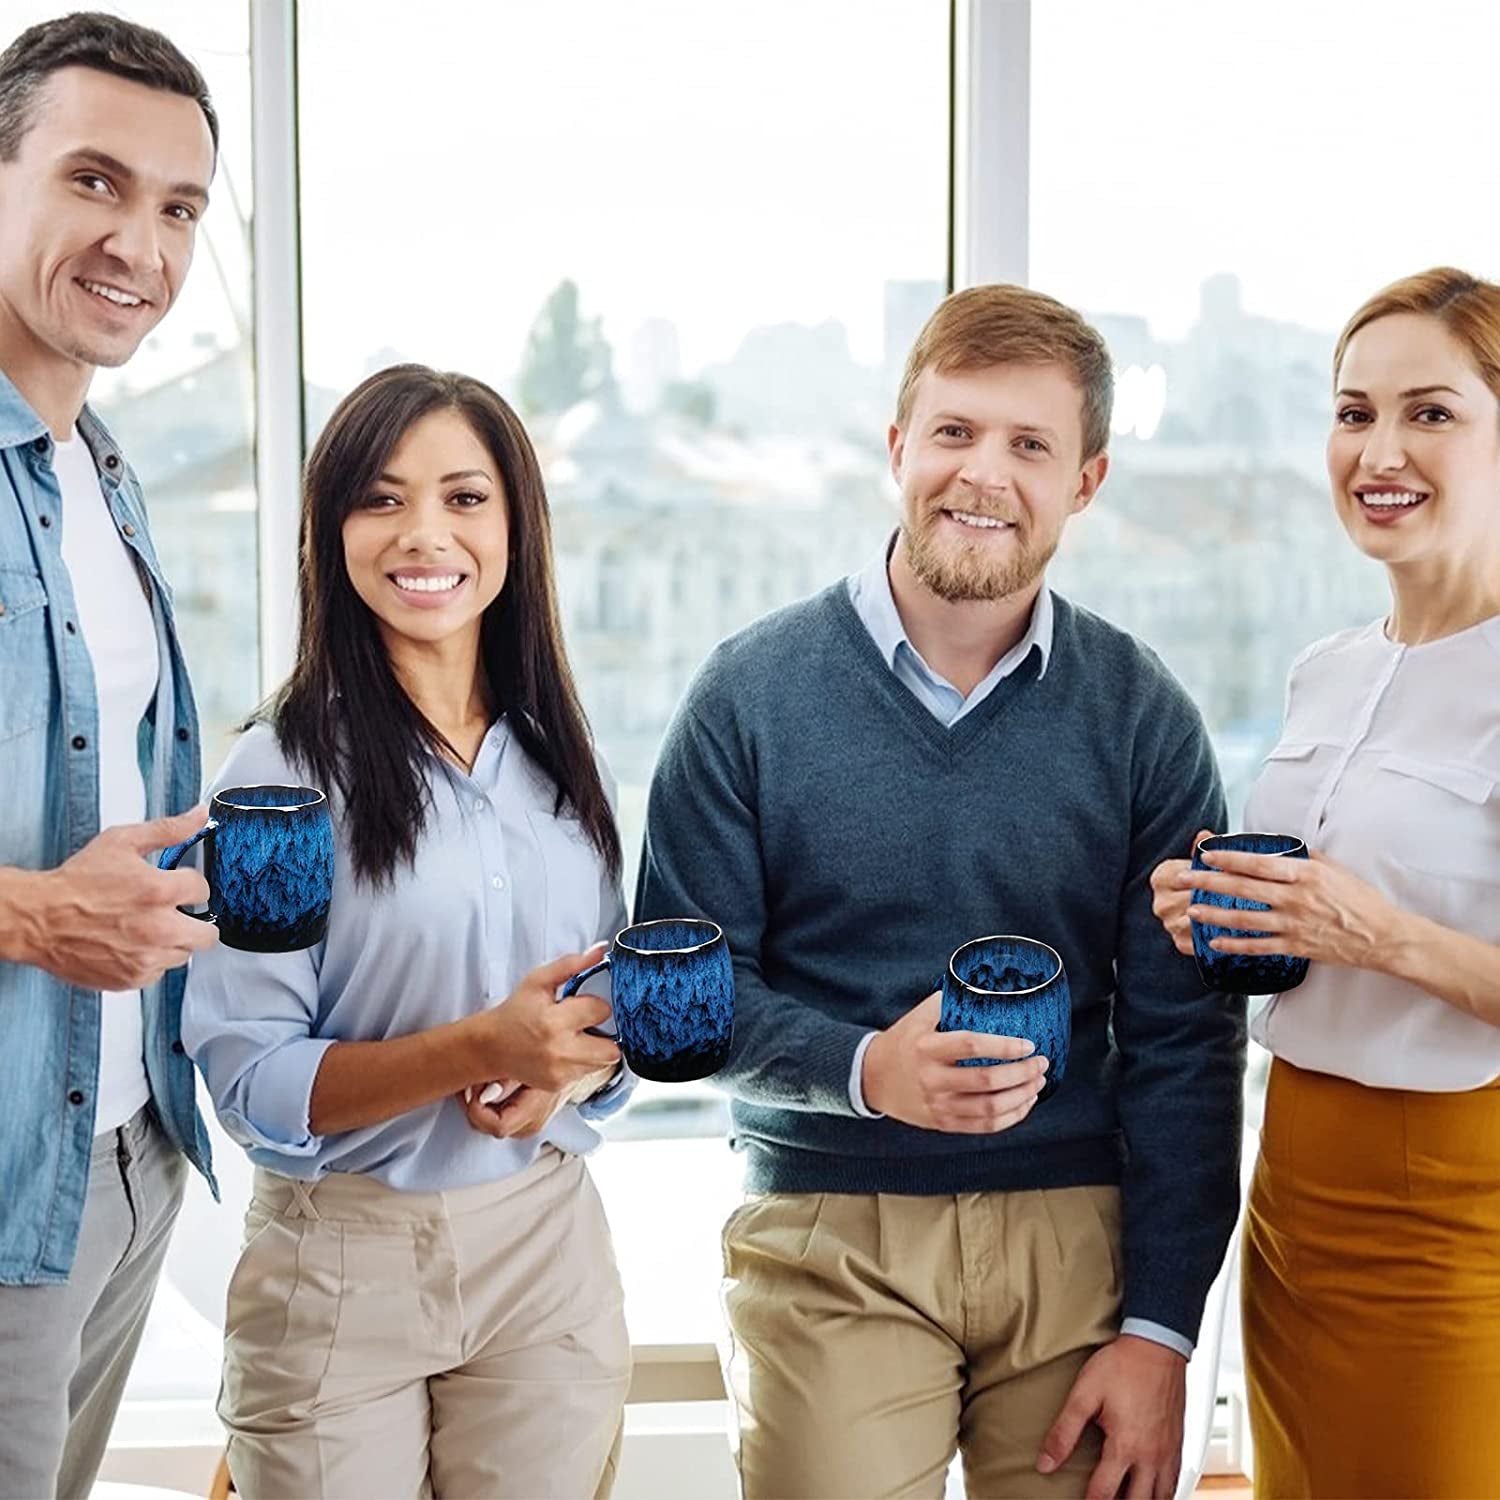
x=932, y=750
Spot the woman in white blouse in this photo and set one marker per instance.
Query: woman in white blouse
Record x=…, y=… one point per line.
x=1372, y=1260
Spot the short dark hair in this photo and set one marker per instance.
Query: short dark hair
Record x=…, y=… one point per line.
x=91, y=39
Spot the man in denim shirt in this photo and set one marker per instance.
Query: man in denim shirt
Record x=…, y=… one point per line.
x=107, y=148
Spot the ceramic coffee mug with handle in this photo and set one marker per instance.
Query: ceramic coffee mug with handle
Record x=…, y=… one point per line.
x=672, y=992
x=268, y=860
x=1244, y=973
x=1011, y=986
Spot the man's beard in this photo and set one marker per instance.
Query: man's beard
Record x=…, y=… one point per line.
x=966, y=574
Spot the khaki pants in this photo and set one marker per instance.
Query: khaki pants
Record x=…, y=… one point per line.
x=467, y=1343
x=874, y=1333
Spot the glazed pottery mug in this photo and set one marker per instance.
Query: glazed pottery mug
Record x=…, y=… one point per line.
x=268, y=860
x=1244, y=973
x=672, y=992
x=1011, y=986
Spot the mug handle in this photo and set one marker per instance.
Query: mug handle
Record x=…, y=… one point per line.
x=571, y=988
x=171, y=858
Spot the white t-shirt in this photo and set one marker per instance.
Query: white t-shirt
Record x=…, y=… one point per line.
x=114, y=619
x=1389, y=763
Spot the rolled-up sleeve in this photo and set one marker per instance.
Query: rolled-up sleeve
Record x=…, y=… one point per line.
x=248, y=1018
x=247, y=1021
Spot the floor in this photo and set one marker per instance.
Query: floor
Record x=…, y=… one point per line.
x=1226, y=1487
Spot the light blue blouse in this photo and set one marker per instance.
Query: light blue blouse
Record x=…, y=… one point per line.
x=500, y=884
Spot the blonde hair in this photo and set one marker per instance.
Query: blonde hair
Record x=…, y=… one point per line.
x=1468, y=307
x=1002, y=324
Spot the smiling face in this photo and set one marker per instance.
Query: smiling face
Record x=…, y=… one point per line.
x=990, y=467
x=1414, y=455
x=427, y=546
x=98, y=214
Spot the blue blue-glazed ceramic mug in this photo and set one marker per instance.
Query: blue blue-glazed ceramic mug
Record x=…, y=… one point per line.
x=1011, y=986
x=268, y=860
x=1244, y=973
x=672, y=991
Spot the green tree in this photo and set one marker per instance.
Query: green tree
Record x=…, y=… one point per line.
x=567, y=357
x=693, y=400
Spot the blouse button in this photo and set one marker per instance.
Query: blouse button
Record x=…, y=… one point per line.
x=498, y=882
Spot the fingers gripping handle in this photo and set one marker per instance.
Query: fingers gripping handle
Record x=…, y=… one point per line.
x=571, y=988
x=171, y=858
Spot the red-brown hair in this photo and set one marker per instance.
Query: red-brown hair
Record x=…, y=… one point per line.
x=1468, y=307
x=1002, y=324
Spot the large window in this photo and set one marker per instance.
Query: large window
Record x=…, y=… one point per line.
x=1211, y=185
x=691, y=243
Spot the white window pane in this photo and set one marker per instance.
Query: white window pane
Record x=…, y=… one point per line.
x=1210, y=184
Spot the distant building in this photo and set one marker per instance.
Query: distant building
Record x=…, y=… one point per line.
x=652, y=363
x=908, y=305
x=1214, y=540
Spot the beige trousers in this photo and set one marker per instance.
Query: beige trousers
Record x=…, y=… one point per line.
x=872, y=1334
x=456, y=1344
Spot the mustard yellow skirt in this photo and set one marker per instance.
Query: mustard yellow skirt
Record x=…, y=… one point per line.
x=1372, y=1291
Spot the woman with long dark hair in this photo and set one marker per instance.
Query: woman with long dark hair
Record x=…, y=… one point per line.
x=427, y=1300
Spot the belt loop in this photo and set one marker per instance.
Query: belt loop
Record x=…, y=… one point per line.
x=302, y=1204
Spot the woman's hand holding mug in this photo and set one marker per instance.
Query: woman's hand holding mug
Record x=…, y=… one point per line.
x=533, y=1038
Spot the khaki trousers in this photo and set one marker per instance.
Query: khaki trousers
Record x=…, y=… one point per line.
x=872, y=1334
x=456, y=1344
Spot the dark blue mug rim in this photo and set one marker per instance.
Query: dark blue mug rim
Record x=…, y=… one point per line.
x=310, y=797
x=1224, y=843
x=1005, y=937
x=619, y=939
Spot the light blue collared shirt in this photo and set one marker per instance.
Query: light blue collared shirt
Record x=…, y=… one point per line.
x=870, y=593
x=500, y=885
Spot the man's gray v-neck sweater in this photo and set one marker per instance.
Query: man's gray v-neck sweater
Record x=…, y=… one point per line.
x=848, y=842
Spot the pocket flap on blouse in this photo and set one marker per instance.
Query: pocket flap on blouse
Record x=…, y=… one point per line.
x=1468, y=782
x=1292, y=750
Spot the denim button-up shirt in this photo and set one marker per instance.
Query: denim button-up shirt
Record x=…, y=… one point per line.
x=49, y=809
